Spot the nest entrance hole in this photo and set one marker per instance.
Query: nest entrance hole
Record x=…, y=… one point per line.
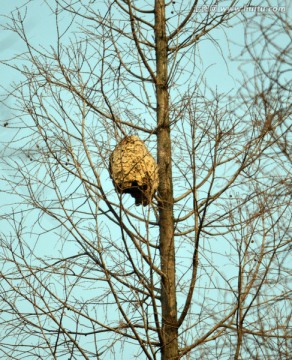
x=137, y=192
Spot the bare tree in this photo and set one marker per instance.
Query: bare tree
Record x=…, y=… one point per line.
x=200, y=272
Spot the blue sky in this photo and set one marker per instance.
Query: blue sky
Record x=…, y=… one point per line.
x=220, y=73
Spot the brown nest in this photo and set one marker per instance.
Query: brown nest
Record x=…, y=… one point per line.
x=134, y=170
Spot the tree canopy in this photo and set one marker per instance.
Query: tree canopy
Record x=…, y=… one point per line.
x=203, y=270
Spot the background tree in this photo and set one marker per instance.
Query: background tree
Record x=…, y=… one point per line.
x=203, y=271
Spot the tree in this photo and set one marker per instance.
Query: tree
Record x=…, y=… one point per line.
x=199, y=273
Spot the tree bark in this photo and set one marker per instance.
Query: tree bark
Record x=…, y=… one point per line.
x=165, y=192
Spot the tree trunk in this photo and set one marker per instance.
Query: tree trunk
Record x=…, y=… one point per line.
x=165, y=192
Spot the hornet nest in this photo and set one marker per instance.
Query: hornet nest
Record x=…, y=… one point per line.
x=134, y=170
